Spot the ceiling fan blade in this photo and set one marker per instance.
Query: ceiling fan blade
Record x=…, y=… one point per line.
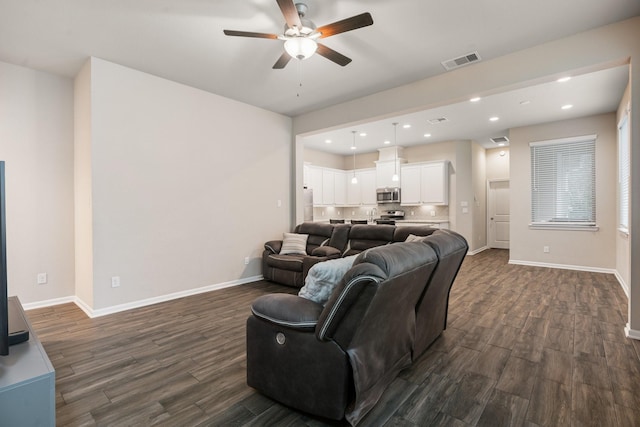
x=250, y=34
x=290, y=13
x=332, y=55
x=353, y=23
x=282, y=61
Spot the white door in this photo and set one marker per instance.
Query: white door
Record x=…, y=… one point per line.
x=498, y=214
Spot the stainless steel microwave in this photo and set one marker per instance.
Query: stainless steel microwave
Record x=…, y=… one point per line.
x=388, y=195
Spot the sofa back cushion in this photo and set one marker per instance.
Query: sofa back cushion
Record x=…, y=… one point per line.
x=431, y=311
x=319, y=234
x=402, y=232
x=363, y=237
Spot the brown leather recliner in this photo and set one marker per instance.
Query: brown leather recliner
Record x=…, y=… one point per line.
x=335, y=361
x=325, y=241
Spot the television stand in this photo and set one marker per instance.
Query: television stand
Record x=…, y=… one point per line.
x=27, y=381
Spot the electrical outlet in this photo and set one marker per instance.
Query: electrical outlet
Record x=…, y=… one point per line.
x=42, y=278
x=246, y=260
x=545, y=249
x=433, y=213
x=115, y=281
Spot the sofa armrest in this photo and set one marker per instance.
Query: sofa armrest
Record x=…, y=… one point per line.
x=273, y=246
x=349, y=302
x=287, y=310
x=328, y=252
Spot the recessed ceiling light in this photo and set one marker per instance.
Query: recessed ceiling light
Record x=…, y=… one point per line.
x=563, y=79
x=525, y=102
x=566, y=107
x=494, y=118
x=363, y=134
x=327, y=141
x=407, y=126
x=501, y=144
x=427, y=135
x=475, y=99
x=387, y=142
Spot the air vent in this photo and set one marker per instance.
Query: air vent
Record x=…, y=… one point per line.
x=500, y=140
x=438, y=120
x=461, y=61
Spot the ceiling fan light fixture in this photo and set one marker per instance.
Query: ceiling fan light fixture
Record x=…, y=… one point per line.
x=300, y=47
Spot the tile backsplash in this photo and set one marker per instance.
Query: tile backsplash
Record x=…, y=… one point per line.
x=364, y=212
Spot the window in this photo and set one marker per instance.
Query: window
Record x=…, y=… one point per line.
x=623, y=173
x=563, y=182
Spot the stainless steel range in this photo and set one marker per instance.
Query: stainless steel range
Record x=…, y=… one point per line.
x=397, y=214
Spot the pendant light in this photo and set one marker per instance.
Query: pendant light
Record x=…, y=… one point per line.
x=354, y=180
x=395, y=176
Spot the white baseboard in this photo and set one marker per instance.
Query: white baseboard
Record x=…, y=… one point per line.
x=563, y=266
x=48, y=303
x=631, y=333
x=623, y=284
x=140, y=303
x=477, y=251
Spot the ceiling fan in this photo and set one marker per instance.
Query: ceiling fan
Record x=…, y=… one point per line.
x=300, y=34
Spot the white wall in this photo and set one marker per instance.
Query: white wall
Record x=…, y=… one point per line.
x=175, y=173
x=36, y=141
x=588, y=249
x=82, y=186
x=497, y=165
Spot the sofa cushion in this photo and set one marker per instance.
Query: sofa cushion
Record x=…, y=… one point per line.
x=401, y=233
x=294, y=243
x=319, y=233
x=323, y=277
x=413, y=238
x=291, y=262
x=362, y=237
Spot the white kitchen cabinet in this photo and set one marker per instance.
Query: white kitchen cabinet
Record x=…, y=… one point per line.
x=368, y=187
x=340, y=188
x=425, y=184
x=315, y=183
x=411, y=185
x=328, y=187
x=364, y=191
x=385, y=170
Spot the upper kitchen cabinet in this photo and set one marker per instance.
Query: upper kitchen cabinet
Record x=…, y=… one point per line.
x=364, y=191
x=328, y=186
x=425, y=183
x=340, y=188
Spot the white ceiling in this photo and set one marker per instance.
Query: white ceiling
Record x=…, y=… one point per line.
x=182, y=40
x=593, y=93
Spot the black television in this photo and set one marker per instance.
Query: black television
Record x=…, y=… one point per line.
x=13, y=329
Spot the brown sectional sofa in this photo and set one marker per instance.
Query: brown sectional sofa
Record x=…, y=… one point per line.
x=329, y=241
x=335, y=360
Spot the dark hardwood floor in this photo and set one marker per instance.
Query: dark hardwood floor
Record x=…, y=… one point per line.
x=524, y=346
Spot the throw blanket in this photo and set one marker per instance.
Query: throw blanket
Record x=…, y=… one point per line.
x=323, y=277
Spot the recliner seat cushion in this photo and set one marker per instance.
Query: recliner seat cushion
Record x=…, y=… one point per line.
x=291, y=262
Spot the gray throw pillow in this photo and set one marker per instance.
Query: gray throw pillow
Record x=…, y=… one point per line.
x=294, y=243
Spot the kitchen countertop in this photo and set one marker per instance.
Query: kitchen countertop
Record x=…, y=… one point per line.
x=420, y=221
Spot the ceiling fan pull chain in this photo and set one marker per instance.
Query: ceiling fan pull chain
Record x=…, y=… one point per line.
x=299, y=71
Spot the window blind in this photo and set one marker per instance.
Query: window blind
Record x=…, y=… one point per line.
x=563, y=182
x=624, y=169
